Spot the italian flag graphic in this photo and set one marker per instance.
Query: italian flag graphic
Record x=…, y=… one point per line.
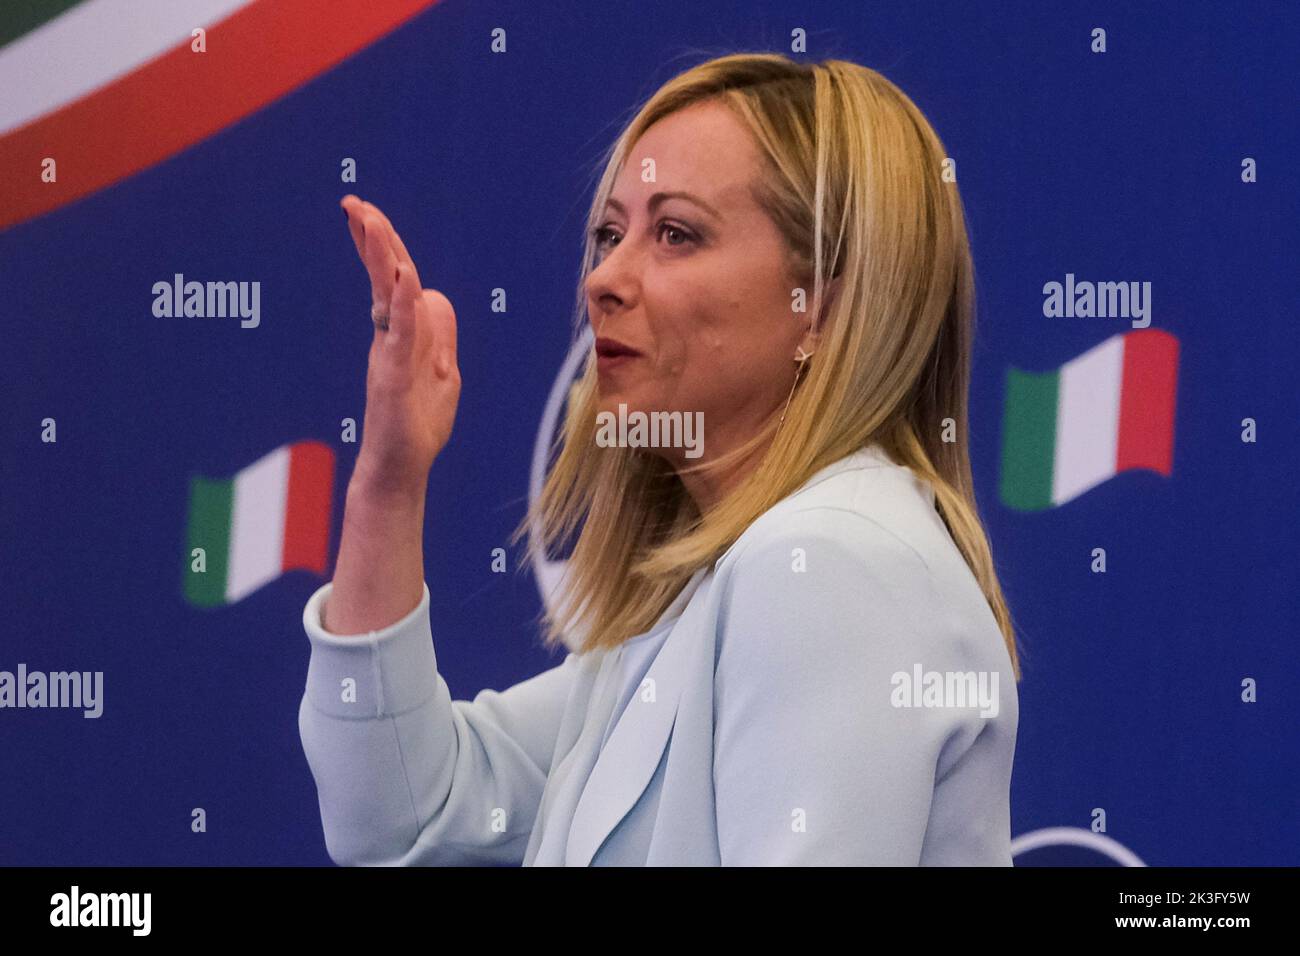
x=1108, y=410
x=271, y=517
x=108, y=88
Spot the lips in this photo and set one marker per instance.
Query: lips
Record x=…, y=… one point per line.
x=612, y=348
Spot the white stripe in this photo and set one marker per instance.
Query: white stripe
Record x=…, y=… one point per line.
x=1087, y=420
x=257, y=524
x=92, y=44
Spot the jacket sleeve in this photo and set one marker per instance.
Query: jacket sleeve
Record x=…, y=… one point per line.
x=404, y=774
x=813, y=765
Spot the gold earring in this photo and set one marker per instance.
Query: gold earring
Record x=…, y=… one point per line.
x=801, y=357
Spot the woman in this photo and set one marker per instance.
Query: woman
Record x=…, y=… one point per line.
x=791, y=649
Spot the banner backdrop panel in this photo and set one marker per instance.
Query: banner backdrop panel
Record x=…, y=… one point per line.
x=186, y=327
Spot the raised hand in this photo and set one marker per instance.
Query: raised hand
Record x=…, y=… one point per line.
x=412, y=380
x=412, y=390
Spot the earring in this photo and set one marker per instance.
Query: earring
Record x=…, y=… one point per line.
x=801, y=356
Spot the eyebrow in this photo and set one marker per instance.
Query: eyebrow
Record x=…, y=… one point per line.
x=659, y=197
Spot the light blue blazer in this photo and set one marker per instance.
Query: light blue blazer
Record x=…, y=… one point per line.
x=833, y=690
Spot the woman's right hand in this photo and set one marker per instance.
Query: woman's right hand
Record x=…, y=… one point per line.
x=412, y=389
x=413, y=380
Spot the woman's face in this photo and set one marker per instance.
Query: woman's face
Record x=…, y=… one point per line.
x=694, y=276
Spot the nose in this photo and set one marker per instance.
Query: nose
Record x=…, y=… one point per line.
x=611, y=283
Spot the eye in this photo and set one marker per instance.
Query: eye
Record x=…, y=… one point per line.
x=603, y=236
x=677, y=229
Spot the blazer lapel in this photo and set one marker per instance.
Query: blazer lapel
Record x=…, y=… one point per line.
x=631, y=755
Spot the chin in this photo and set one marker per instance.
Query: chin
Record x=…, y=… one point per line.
x=609, y=397
x=610, y=403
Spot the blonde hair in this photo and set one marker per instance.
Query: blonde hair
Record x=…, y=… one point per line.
x=852, y=178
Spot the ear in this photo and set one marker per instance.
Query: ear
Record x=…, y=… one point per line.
x=829, y=293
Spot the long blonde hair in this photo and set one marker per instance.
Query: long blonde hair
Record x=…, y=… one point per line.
x=851, y=161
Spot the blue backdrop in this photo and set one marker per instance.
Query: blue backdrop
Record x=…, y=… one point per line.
x=1123, y=165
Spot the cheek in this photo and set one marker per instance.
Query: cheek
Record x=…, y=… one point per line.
x=708, y=330
x=732, y=374
x=714, y=345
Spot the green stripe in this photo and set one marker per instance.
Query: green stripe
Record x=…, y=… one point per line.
x=1029, y=439
x=18, y=17
x=209, y=529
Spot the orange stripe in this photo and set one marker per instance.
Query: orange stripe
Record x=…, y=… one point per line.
x=307, y=506
x=253, y=57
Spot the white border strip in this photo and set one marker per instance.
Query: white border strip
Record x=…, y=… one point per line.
x=91, y=45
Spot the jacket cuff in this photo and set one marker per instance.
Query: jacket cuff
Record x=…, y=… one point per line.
x=381, y=673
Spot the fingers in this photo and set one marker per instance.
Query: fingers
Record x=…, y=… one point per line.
x=371, y=248
x=395, y=282
x=381, y=264
x=401, y=313
x=443, y=318
x=394, y=240
x=352, y=209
